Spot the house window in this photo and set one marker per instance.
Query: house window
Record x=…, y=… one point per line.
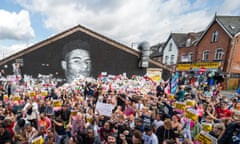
x=166, y=59
x=205, y=55
x=215, y=36
x=170, y=47
x=172, y=60
x=188, y=42
x=184, y=58
x=219, y=54
x=190, y=57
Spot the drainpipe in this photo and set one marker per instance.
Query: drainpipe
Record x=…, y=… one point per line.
x=232, y=57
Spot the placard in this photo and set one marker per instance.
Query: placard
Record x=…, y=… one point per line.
x=205, y=138
x=38, y=140
x=104, y=108
x=190, y=103
x=192, y=114
x=206, y=127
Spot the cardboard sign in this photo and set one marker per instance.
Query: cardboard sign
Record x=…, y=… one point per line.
x=44, y=93
x=57, y=105
x=32, y=93
x=171, y=97
x=74, y=112
x=104, y=108
x=192, y=114
x=38, y=140
x=206, y=127
x=205, y=138
x=16, y=98
x=180, y=106
x=190, y=103
x=5, y=98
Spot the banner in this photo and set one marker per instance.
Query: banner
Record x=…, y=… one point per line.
x=174, y=83
x=183, y=67
x=104, y=108
x=38, y=140
x=206, y=65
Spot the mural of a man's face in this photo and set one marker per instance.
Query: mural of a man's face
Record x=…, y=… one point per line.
x=76, y=63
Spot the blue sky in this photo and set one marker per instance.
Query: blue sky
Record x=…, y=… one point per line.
x=26, y=22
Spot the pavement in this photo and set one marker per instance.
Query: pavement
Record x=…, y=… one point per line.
x=228, y=92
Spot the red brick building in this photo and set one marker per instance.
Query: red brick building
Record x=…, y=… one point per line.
x=219, y=43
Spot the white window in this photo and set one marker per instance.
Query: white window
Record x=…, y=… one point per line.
x=166, y=59
x=205, y=55
x=170, y=47
x=184, y=58
x=172, y=60
x=190, y=56
x=215, y=36
x=188, y=42
x=219, y=54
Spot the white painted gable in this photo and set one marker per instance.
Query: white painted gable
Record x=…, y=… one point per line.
x=170, y=50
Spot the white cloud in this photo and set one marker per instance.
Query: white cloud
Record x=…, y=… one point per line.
x=15, y=26
x=127, y=21
x=9, y=50
x=230, y=7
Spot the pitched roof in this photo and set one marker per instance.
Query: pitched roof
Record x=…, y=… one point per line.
x=71, y=31
x=230, y=23
x=179, y=39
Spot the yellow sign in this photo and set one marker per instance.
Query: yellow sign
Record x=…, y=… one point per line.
x=5, y=98
x=192, y=114
x=183, y=67
x=38, y=140
x=171, y=97
x=180, y=106
x=155, y=74
x=16, y=98
x=44, y=93
x=57, y=103
x=205, y=138
x=205, y=65
x=32, y=93
x=206, y=127
x=190, y=103
x=74, y=112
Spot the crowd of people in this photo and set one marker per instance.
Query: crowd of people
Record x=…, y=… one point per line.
x=116, y=110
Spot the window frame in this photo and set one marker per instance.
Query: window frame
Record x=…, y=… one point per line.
x=172, y=59
x=215, y=36
x=221, y=54
x=170, y=47
x=190, y=56
x=203, y=55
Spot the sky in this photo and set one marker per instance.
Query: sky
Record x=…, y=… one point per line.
x=27, y=22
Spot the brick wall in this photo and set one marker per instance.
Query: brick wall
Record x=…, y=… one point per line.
x=205, y=44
